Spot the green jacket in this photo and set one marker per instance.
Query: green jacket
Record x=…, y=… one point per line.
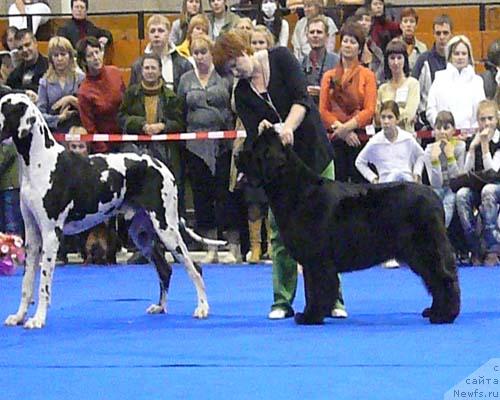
x=132, y=113
x=9, y=169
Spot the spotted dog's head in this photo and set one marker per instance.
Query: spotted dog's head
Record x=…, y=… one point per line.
x=265, y=159
x=17, y=116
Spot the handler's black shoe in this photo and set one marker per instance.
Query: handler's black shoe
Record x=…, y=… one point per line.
x=279, y=313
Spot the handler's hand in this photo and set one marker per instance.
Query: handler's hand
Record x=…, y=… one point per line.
x=286, y=136
x=263, y=125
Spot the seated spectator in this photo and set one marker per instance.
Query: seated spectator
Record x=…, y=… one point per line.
x=491, y=77
x=101, y=92
x=400, y=87
x=261, y=38
x=347, y=101
x=483, y=154
x=408, y=21
x=244, y=24
x=301, y=47
x=221, y=19
x=444, y=160
x=430, y=62
x=190, y=8
x=6, y=66
x=59, y=86
x=269, y=14
x=10, y=44
x=173, y=64
x=11, y=220
x=457, y=88
x=20, y=7
x=319, y=60
x=79, y=27
x=26, y=76
x=395, y=153
x=372, y=56
x=383, y=30
x=207, y=107
x=198, y=25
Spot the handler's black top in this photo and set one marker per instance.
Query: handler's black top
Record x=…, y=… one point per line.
x=287, y=86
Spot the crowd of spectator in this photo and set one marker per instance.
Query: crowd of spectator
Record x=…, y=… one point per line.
x=380, y=77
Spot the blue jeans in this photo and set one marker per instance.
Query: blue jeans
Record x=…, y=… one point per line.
x=467, y=202
x=490, y=199
x=11, y=220
x=448, y=199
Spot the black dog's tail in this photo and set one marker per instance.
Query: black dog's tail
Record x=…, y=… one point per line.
x=198, y=238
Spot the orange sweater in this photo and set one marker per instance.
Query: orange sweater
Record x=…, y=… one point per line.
x=359, y=84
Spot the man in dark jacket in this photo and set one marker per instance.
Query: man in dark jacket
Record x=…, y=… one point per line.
x=79, y=26
x=27, y=74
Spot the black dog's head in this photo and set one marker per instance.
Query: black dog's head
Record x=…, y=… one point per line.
x=264, y=160
x=17, y=115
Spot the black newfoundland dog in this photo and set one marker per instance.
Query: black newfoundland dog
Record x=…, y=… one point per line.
x=332, y=227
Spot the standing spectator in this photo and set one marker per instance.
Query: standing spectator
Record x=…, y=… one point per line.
x=395, y=153
x=347, y=101
x=101, y=92
x=206, y=97
x=26, y=76
x=483, y=154
x=408, y=24
x=198, y=25
x=319, y=60
x=491, y=77
x=11, y=220
x=457, y=88
x=190, y=8
x=173, y=64
x=372, y=56
x=400, y=87
x=383, y=30
x=261, y=38
x=301, y=47
x=269, y=14
x=57, y=94
x=79, y=27
x=444, y=160
x=430, y=62
x=19, y=7
x=221, y=19
x=272, y=90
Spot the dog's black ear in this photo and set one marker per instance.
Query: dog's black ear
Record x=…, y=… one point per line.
x=243, y=160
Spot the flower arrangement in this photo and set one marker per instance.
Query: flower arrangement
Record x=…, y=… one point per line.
x=11, y=253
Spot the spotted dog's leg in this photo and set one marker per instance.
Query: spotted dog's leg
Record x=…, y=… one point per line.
x=144, y=237
x=51, y=240
x=172, y=240
x=33, y=250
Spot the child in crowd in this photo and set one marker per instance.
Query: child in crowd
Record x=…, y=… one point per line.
x=483, y=155
x=444, y=160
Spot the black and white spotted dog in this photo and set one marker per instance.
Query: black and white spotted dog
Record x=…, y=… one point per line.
x=66, y=193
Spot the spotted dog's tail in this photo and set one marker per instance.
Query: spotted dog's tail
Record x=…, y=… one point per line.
x=198, y=238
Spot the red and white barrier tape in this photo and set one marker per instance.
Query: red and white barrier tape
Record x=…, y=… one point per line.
x=99, y=137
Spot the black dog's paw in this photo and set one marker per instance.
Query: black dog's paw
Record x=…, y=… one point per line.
x=427, y=312
x=308, y=319
x=442, y=318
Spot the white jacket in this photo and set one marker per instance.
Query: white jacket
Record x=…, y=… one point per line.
x=457, y=92
x=403, y=156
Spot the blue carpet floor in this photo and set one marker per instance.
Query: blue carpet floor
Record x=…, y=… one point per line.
x=100, y=344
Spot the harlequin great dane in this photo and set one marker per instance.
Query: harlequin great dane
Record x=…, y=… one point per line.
x=332, y=227
x=66, y=193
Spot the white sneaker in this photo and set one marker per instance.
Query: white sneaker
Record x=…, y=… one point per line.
x=391, y=264
x=277, y=313
x=339, y=313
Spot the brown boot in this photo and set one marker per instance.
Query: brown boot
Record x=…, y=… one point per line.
x=254, y=228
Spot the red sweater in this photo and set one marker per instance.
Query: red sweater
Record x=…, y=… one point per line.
x=99, y=98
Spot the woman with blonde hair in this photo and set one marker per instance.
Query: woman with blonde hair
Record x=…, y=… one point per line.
x=57, y=93
x=190, y=9
x=457, y=88
x=198, y=25
x=262, y=38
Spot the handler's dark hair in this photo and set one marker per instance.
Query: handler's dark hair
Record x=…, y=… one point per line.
x=81, y=49
x=392, y=106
